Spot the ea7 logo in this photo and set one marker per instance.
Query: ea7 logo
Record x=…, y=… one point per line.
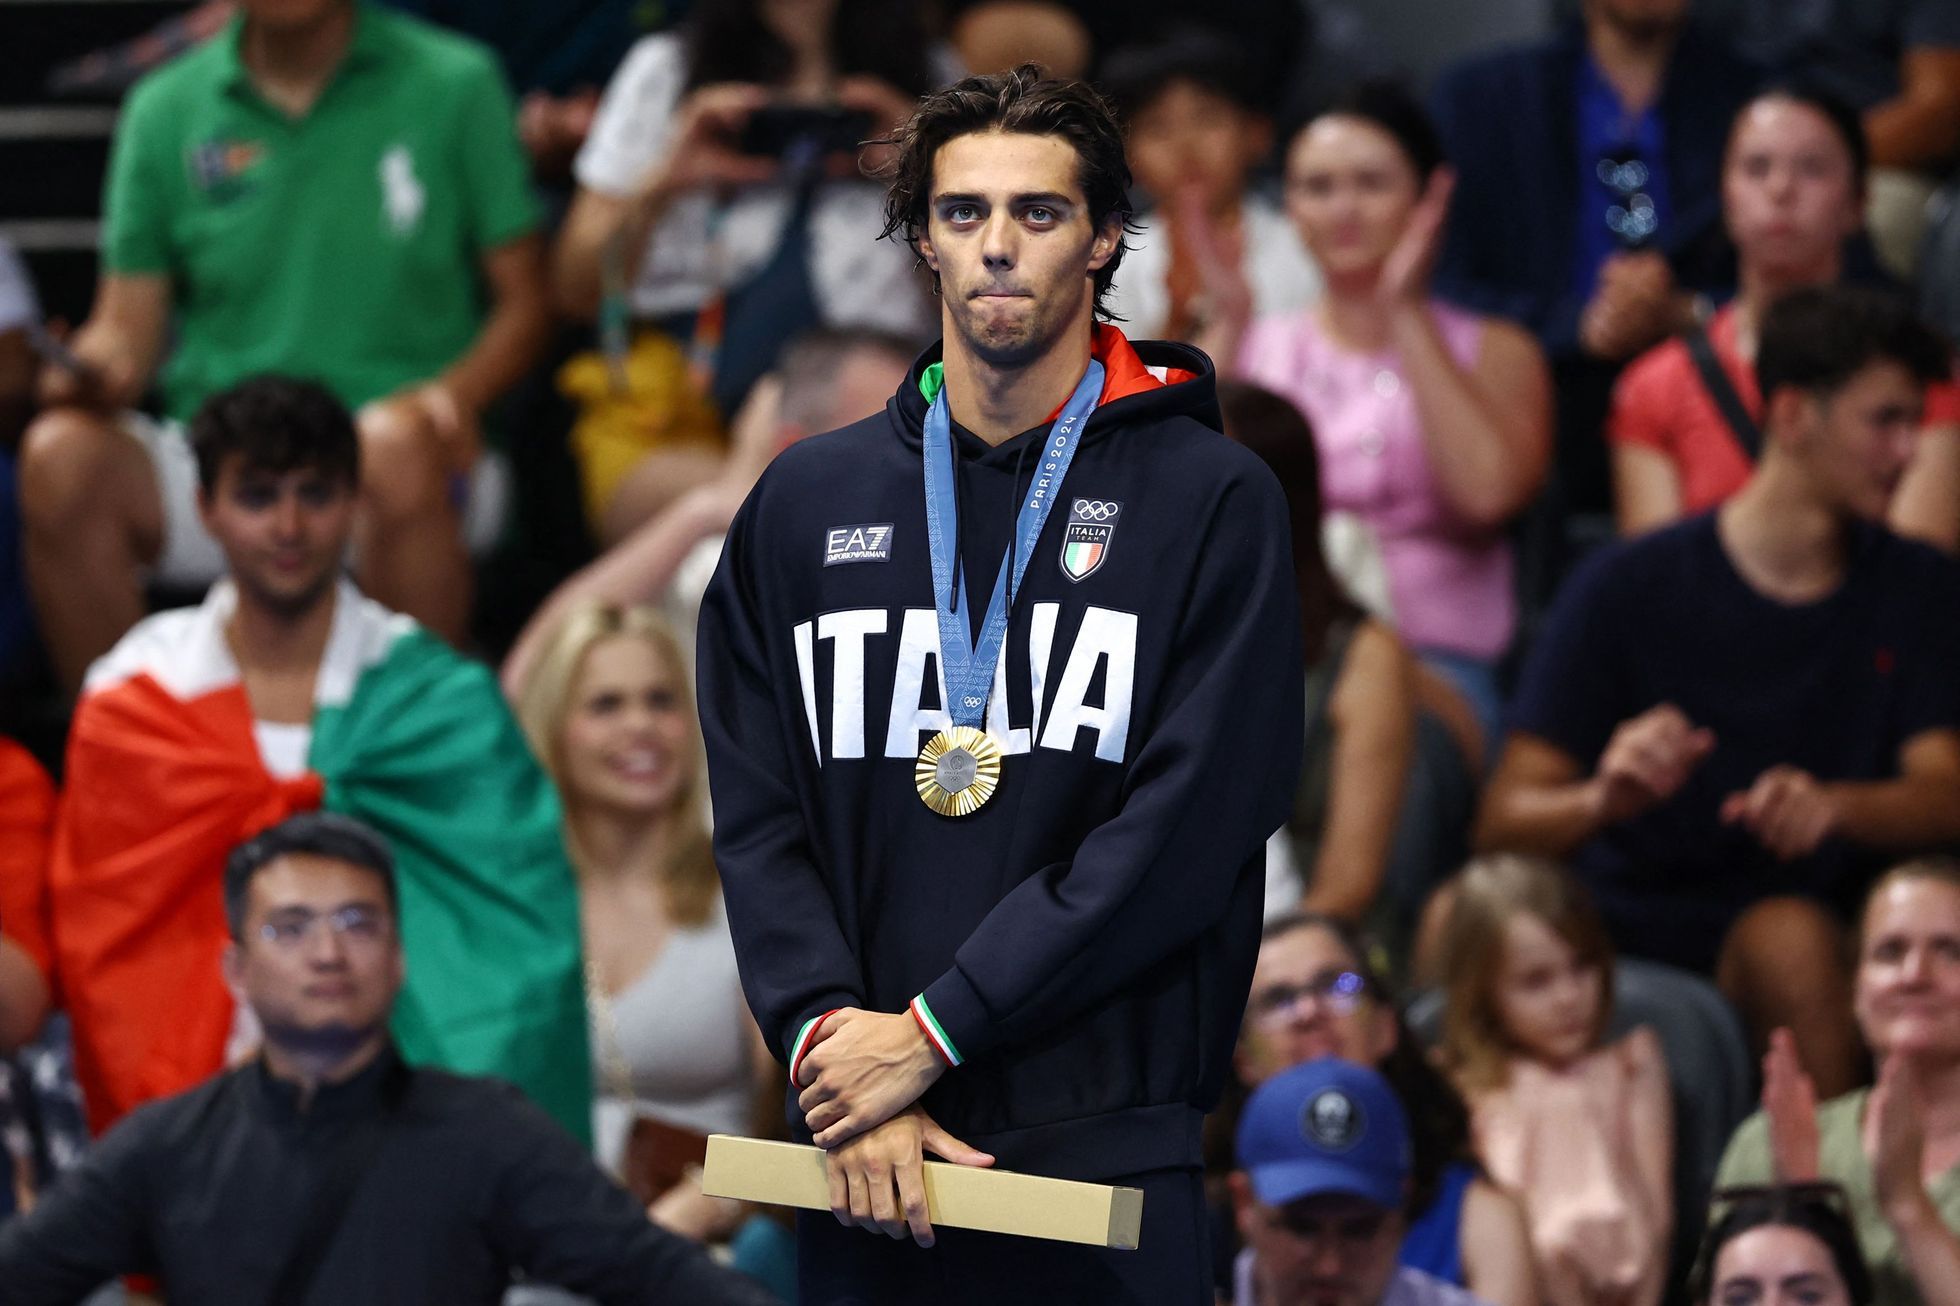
x=871, y=542
x=1091, y=526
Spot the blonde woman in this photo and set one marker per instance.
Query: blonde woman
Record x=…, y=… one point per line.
x=607, y=708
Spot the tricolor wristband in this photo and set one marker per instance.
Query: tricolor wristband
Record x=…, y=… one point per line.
x=934, y=1032
x=801, y=1048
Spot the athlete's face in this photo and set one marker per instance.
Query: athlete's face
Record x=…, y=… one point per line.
x=1009, y=234
x=1789, y=190
x=284, y=534
x=1349, y=190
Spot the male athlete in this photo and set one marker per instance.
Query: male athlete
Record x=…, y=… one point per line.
x=1002, y=696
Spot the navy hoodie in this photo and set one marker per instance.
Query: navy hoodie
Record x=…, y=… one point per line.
x=1086, y=939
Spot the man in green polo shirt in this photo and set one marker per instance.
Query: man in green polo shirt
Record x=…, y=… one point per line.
x=329, y=190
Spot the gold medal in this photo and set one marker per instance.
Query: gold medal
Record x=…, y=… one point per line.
x=958, y=771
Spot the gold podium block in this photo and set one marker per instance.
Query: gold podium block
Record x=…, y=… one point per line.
x=957, y=1196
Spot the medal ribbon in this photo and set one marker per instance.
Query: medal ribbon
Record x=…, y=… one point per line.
x=969, y=666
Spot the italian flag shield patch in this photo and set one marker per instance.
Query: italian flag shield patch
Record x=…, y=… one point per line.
x=1091, y=527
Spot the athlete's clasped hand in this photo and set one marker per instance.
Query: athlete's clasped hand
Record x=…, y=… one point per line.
x=863, y=1068
x=877, y=1180
x=861, y=1081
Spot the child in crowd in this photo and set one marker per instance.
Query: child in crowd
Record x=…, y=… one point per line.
x=1212, y=246
x=1582, y=1130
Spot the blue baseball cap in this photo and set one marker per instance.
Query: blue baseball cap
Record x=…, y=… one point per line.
x=1328, y=1126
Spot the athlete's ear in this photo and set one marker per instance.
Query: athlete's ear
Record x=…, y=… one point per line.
x=926, y=250
x=1108, y=237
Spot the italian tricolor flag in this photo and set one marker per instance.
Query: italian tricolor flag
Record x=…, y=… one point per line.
x=164, y=778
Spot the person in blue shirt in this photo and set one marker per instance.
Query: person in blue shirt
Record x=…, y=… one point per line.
x=1590, y=209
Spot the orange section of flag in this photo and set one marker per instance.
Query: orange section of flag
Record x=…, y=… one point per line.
x=26, y=827
x=159, y=791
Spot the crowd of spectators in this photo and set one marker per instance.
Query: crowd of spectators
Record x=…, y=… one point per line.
x=1624, y=479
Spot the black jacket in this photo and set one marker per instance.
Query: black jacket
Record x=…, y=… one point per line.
x=1087, y=938
x=1508, y=121
x=209, y=1190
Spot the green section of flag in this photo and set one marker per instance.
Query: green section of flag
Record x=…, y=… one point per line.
x=426, y=752
x=939, y=1032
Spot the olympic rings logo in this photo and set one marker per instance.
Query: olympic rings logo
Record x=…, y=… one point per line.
x=1096, y=509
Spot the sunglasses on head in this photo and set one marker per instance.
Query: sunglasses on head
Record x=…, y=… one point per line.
x=1820, y=1192
x=1631, y=216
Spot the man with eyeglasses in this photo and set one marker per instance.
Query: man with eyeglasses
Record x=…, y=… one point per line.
x=1324, y=1158
x=327, y=1169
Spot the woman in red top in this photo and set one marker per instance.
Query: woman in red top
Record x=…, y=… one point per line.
x=1792, y=192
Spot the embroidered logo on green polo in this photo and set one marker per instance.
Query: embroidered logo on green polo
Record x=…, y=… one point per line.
x=224, y=168
x=402, y=195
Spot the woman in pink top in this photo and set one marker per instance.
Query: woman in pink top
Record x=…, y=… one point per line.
x=1434, y=425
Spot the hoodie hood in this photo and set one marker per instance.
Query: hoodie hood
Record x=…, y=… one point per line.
x=1132, y=391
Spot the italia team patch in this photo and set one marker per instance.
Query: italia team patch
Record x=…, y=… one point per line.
x=1091, y=526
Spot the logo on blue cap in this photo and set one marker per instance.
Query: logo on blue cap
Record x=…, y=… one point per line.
x=1325, y=1127
x=1333, y=1120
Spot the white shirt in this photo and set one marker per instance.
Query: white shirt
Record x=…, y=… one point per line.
x=1276, y=265
x=283, y=748
x=705, y=244
x=17, y=305
x=681, y=1034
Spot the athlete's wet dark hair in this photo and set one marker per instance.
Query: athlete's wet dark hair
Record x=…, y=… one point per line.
x=1025, y=102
